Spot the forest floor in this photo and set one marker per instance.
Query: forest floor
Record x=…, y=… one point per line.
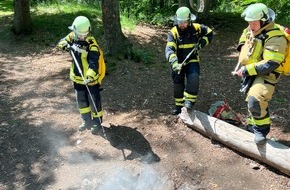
x=41, y=147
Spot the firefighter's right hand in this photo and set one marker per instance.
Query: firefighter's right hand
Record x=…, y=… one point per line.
x=64, y=45
x=176, y=66
x=240, y=72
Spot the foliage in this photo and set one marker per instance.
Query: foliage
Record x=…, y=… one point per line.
x=6, y=7
x=281, y=8
x=49, y=28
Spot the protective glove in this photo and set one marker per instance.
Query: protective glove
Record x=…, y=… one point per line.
x=176, y=66
x=64, y=45
x=201, y=44
x=91, y=77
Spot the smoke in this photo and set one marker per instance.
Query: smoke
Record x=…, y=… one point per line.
x=146, y=179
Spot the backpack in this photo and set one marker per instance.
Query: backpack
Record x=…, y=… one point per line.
x=285, y=66
x=222, y=111
x=102, y=66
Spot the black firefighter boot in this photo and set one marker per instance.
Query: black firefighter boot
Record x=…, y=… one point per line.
x=176, y=110
x=188, y=104
x=260, y=133
x=87, y=121
x=97, y=127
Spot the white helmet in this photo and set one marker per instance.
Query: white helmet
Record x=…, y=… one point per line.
x=258, y=11
x=184, y=14
x=81, y=26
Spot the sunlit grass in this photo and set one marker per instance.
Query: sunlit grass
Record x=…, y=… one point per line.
x=127, y=23
x=66, y=8
x=6, y=7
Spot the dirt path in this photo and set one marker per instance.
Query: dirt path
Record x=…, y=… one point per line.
x=42, y=149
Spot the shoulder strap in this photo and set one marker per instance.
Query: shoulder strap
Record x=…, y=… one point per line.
x=197, y=28
x=275, y=32
x=174, y=32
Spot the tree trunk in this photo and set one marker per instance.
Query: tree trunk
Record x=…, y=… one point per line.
x=161, y=4
x=117, y=44
x=207, y=7
x=22, y=23
x=184, y=3
x=272, y=153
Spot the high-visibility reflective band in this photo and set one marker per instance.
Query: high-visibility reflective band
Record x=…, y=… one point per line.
x=85, y=110
x=179, y=102
x=258, y=122
x=171, y=44
x=274, y=56
x=172, y=56
x=251, y=69
x=184, y=46
x=190, y=97
x=257, y=50
x=97, y=115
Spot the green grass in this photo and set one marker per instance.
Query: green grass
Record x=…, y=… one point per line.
x=51, y=21
x=6, y=7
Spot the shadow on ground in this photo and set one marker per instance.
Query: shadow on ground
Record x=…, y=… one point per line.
x=123, y=137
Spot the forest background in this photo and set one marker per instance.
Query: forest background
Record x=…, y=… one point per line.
x=40, y=147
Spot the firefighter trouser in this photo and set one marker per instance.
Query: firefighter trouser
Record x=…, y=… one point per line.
x=86, y=104
x=186, y=84
x=258, y=97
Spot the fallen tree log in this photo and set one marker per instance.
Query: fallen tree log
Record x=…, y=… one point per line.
x=272, y=153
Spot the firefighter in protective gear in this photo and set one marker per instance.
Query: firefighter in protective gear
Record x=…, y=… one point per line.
x=87, y=52
x=262, y=49
x=181, y=40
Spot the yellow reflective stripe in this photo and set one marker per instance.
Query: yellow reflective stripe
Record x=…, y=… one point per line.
x=179, y=102
x=194, y=60
x=172, y=56
x=277, y=32
x=274, y=56
x=260, y=122
x=85, y=110
x=257, y=50
x=93, y=48
x=251, y=69
x=190, y=97
x=76, y=79
x=171, y=44
x=97, y=115
x=184, y=46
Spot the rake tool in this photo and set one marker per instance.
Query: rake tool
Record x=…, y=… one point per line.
x=196, y=47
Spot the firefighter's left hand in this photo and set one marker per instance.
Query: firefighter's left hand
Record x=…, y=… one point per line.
x=176, y=66
x=91, y=77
